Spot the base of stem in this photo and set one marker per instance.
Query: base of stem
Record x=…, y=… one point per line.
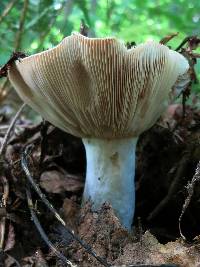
x=110, y=176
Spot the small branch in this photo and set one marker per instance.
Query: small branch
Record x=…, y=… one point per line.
x=7, y=10
x=167, y=38
x=12, y=125
x=5, y=182
x=24, y=164
x=35, y=186
x=185, y=40
x=21, y=26
x=190, y=189
x=192, y=43
x=42, y=233
x=5, y=126
x=195, y=55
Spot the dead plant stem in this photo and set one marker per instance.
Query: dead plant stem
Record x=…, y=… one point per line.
x=42, y=232
x=11, y=126
x=190, y=189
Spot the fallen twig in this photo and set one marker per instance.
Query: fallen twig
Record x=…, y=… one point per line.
x=11, y=126
x=5, y=182
x=190, y=189
x=192, y=41
x=41, y=231
x=87, y=247
x=3, y=203
x=167, y=38
x=5, y=127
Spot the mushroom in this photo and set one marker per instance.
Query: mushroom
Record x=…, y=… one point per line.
x=97, y=89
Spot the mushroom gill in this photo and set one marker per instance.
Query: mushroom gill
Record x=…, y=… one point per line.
x=96, y=87
x=99, y=90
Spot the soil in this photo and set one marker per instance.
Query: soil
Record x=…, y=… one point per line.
x=167, y=160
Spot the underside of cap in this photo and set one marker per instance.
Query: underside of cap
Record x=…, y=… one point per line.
x=93, y=87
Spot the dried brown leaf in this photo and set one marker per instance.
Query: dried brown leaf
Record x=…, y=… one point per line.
x=70, y=213
x=57, y=182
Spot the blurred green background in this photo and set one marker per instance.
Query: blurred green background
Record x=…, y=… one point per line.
x=43, y=23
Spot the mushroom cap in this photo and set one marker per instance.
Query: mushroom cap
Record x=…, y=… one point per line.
x=96, y=87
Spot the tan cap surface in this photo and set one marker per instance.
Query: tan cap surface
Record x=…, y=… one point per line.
x=92, y=87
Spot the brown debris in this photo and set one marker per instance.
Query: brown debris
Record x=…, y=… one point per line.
x=10, y=242
x=150, y=251
x=57, y=182
x=70, y=213
x=102, y=231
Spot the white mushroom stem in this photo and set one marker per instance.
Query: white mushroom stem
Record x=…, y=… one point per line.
x=110, y=175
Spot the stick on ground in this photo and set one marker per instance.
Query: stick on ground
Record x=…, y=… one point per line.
x=42, y=232
x=86, y=246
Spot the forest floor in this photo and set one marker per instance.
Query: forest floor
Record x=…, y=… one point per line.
x=41, y=157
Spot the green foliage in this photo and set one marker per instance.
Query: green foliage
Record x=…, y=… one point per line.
x=46, y=22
